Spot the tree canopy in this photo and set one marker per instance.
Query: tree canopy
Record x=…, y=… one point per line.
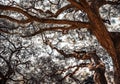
x=53, y=41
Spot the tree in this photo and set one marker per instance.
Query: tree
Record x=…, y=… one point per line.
x=30, y=18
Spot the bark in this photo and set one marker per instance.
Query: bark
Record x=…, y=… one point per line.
x=112, y=47
x=116, y=39
x=99, y=68
x=3, y=81
x=99, y=76
x=100, y=31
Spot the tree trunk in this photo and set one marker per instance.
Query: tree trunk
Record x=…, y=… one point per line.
x=117, y=74
x=110, y=44
x=116, y=40
x=3, y=81
x=117, y=68
x=99, y=29
x=99, y=68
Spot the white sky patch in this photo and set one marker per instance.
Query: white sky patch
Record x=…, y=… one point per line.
x=115, y=21
x=18, y=1
x=115, y=24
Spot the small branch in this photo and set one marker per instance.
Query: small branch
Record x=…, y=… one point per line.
x=77, y=68
x=61, y=10
x=54, y=3
x=104, y=2
x=15, y=20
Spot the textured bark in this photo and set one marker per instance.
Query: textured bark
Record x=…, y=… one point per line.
x=99, y=68
x=100, y=31
x=103, y=36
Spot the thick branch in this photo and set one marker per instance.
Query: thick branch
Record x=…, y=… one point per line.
x=53, y=21
x=15, y=20
x=34, y=18
x=76, y=4
x=62, y=29
x=19, y=10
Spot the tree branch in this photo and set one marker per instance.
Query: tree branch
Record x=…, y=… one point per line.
x=15, y=20
x=76, y=4
x=61, y=10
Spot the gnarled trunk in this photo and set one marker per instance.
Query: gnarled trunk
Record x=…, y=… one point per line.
x=99, y=68
x=112, y=45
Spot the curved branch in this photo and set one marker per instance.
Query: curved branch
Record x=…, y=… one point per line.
x=42, y=20
x=19, y=10
x=53, y=21
x=50, y=29
x=62, y=9
x=56, y=29
x=15, y=20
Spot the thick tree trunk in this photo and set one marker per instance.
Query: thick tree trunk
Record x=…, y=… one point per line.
x=116, y=39
x=117, y=69
x=110, y=44
x=102, y=34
